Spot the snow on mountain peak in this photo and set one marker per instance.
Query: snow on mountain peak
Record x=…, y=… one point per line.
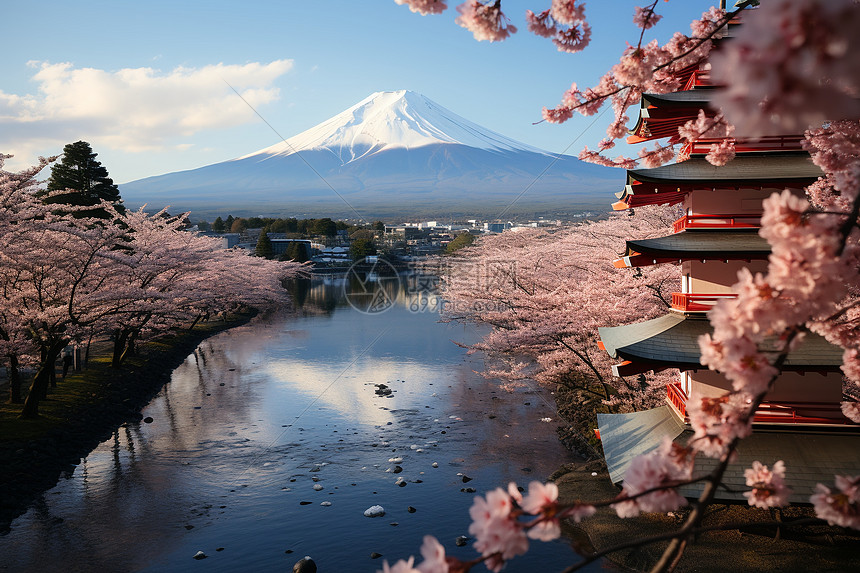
x=391, y=120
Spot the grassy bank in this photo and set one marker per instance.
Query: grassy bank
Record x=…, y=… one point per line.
x=83, y=410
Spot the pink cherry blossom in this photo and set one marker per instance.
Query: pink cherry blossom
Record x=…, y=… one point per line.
x=425, y=7
x=718, y=422
x=657, y=156
x=851, y=410
x=768, y=485
x=808, y=49
x=498, y=535
x=645, y=17
x=568, y=12
x=662, y=468
x=595, y=157
x=485, y=21
x=842, y=507
x=541, y=24
x=721, y=153
x=400, y=566
x=539, y=496
x=434, y=556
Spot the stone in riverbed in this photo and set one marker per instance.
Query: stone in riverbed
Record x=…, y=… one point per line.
x=305, y=565
x=374, y=511
x=200, y=555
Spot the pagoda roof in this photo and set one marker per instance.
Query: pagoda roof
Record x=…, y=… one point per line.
x=669, y=183
x=660, y=115
x=694, y=245
x=698, y=98
x=796, y=169
x=672, y=341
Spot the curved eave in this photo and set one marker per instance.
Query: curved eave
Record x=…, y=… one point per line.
x=629, y=201
x=661, y=115
x=785, y=170
x=671, y=341
x=702, y=245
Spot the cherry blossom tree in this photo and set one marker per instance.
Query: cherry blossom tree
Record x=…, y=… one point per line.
x=67, y=275
x=791, y=67
x=545, y=292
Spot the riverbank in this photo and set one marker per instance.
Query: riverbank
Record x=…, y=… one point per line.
x=746, y=549
x=84, y=410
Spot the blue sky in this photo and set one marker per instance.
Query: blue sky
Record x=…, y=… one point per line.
x=144, y=82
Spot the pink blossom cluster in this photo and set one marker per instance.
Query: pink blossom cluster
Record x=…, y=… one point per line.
x=565, y=23
x=661, y=470
x=561, y=289
x=435, y=561
x=646, y=17
x=718, y=422
x=793, y=65
x=840, y=507
x=485, y=21
x=67, y=275
x=425, y=7
x=499, y=533
x=595, y=157
x=711, y=127
x=657, y=156
x=768, y=485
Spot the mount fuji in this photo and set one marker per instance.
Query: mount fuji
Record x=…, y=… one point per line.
x=392, y=154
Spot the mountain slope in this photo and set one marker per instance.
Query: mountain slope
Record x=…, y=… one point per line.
x=394, y=153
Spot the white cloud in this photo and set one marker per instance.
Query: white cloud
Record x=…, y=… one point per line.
x=132, y=109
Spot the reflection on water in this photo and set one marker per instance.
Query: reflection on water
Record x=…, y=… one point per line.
x=259, y=415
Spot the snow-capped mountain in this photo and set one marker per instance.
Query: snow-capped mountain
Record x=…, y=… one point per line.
x=392, y=153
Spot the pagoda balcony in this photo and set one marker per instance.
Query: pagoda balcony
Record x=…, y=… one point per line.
x=716, y=222
x=776, y=413
x=784, y=143
x=698, y=79
x=688, y=302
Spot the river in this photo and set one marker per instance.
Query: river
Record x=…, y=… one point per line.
x=272, y=439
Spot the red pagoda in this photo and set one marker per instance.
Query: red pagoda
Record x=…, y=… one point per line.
x=800, y=421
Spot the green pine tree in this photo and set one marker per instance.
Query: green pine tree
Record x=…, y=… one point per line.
x=297, y=252
x=264, y=245
x=85, y=177
x=218, y=225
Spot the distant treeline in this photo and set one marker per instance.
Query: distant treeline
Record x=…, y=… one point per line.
x=305, y=227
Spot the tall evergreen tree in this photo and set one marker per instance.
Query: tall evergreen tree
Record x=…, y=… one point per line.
x=218, y=225
x=264, y=245
x=81, y=172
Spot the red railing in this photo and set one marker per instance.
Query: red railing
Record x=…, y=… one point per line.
x=698, y=79
x=773, y=412
x=788, y=413
x=777, y=143
x=677, y=398
x=716, y=222
x=688, y=302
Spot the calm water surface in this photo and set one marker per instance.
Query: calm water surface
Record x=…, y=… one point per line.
x=259, y=415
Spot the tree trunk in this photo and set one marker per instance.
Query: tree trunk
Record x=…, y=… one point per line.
x=39, y=388
x=120, y=337
x=14, y=381
x=87, y=353
x=193, y=324
x=129, y=349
